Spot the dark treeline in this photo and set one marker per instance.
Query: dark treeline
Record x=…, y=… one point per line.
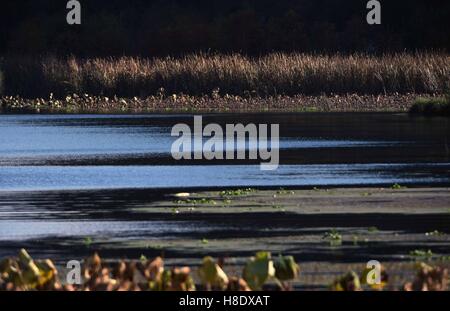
x=161, y=27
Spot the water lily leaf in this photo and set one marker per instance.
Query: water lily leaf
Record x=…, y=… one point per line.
x=211, y=274
x=155, y=269
x=258, y=270
x=5, y=265
x=429, y=278
x=238, y=284
x=286, y=268
x=31, y=273
x=347, y=282
x=47, y=272
x=182, y=280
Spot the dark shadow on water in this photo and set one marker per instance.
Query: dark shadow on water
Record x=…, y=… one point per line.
x=257, y=226
x=64, y=249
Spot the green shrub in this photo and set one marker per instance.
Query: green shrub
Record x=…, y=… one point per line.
x=432, y=106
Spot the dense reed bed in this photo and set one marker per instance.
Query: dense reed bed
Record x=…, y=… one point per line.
x=219, y=75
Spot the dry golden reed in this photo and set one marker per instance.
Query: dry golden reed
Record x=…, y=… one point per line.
x=204, y=74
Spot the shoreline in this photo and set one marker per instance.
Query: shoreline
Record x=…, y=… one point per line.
x=86, y=104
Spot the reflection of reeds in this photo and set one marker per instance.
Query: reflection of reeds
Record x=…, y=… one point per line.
x=200, y=74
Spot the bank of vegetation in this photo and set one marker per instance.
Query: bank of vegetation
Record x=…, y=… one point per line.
x=233, y=82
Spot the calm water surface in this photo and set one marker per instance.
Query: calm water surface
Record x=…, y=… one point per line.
x=109, y=152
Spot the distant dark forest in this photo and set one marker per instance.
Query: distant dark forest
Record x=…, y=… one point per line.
x=253, y=27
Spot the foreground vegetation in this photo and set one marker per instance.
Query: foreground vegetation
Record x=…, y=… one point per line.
x=24, y=273
x=227, y=75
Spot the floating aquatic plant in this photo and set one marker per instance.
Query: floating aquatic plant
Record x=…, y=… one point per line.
x=428, y=278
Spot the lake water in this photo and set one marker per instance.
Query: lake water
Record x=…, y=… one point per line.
x=57, y=152
x=68, y=175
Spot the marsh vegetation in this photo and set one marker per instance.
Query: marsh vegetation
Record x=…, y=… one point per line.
x=235, y=74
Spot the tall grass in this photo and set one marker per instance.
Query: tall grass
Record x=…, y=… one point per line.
x=200, y=74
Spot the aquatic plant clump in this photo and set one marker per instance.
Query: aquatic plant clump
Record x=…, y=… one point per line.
x=428, y=278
